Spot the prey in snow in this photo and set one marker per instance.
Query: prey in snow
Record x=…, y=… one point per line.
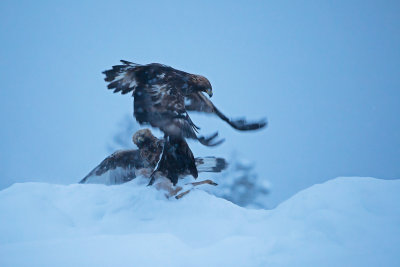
x=125, y=165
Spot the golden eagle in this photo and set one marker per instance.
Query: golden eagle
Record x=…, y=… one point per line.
x=163, y=95
x=123, y=166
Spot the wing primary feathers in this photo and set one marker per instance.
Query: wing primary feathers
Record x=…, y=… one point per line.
x=128, y=160
x=128, y=63
x=122, y=78
x=242, y=124
x=200, y=103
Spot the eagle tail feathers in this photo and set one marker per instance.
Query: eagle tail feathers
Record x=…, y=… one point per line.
x=211, y=164
x=242, y=124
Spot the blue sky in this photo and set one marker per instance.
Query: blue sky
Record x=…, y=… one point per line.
x=327, y=76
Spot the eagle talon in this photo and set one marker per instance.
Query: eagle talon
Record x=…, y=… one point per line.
x=208, y=181
x=194, y=184
x=182, y=194
x=207, y=141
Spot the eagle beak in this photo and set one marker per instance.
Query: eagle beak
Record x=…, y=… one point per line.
x=209, y=92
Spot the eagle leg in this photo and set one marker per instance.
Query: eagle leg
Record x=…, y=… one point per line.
x=208, y=181
x=166, y=186
x=182, y=194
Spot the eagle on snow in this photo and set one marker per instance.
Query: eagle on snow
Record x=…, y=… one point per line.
x=124, y=165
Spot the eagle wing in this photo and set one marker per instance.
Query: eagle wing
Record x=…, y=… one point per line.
x=200, y=103
x=121, y=78
x=162, y=105
x=159, y=98
x=119, y=167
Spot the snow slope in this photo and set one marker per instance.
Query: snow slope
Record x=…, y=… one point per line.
x=343, y=222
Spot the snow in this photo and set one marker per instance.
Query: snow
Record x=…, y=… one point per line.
x=240, y=184
x=345, y=221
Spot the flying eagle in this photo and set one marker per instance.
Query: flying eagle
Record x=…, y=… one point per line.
x=125, y=165
x=163, y=95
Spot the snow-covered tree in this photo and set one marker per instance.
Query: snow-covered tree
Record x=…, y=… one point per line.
x=241, y=185
x=122, y=139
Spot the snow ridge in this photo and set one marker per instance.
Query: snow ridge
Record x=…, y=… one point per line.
x=345, y=221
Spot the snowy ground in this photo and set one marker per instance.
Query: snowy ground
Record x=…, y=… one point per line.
x=343, y=222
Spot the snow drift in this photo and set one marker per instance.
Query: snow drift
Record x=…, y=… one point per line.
x=346, y=221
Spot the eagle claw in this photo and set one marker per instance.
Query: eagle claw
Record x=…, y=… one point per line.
x=207, y=141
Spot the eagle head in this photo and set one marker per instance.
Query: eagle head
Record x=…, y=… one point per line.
x=143, y=138
x=201, y=84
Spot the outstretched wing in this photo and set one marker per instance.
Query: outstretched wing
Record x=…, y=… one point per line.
x=117, y=168
x=122, y=78
x=158, y=96
x=200, y=103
